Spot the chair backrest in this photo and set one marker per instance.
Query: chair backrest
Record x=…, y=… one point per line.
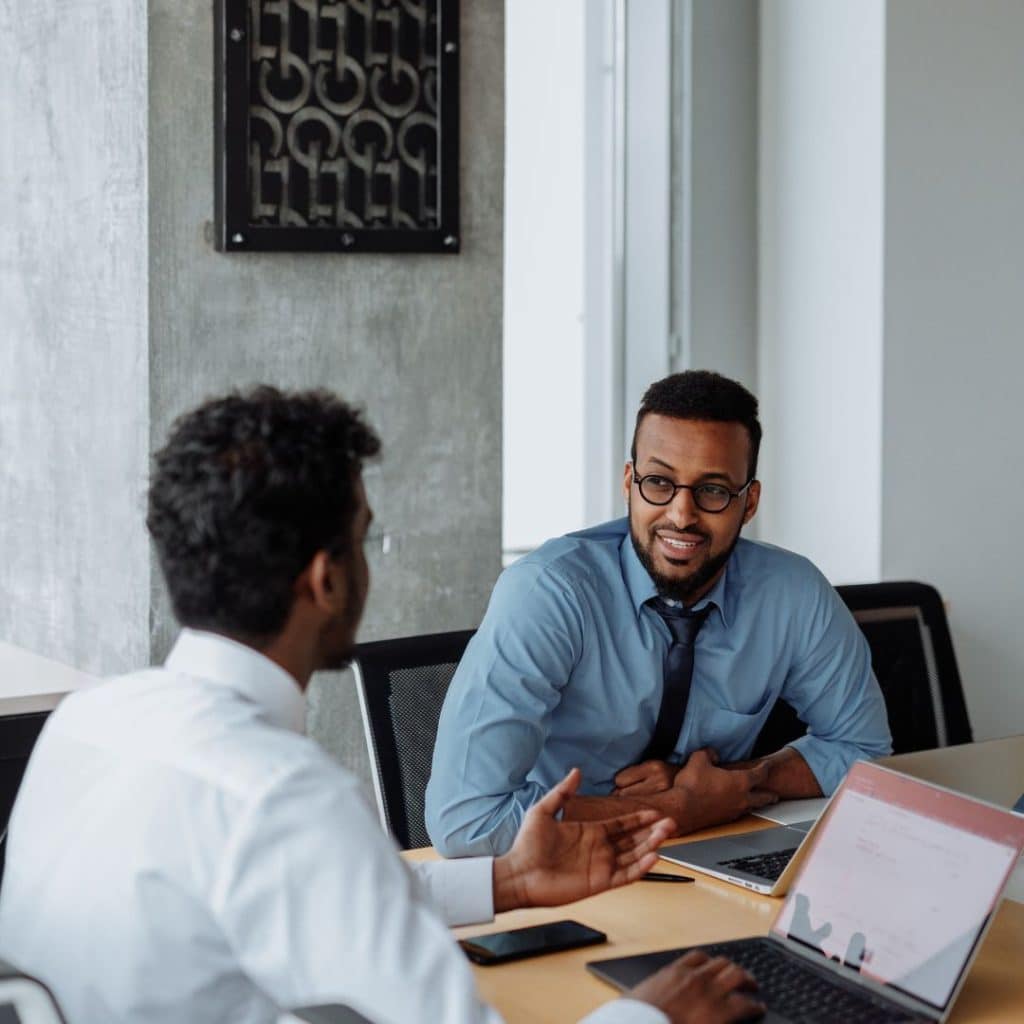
x=401, y=686
x=18, y=735
x=24, y=999
x=913, y=660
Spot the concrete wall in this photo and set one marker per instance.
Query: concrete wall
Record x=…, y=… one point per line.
x=119, y=315
x=416, y=339
x=74, y=569
x=954, y=310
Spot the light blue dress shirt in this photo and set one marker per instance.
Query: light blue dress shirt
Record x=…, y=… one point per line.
x=566, y=670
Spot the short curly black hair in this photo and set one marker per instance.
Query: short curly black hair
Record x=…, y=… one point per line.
x=247, y=489
x=703, y=395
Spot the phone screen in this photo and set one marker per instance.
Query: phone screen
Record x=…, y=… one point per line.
x=500, y=947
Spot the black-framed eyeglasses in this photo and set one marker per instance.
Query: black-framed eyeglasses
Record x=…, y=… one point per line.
x=656, y=489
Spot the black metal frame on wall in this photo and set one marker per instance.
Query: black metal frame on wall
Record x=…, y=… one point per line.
x=337, y=125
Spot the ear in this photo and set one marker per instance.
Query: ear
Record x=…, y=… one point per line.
x=753, y=498
x=324, y=580
x=627, y=480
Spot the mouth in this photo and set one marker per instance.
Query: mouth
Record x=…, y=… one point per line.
x=679, y=547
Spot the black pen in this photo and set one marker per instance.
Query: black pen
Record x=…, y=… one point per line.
x=664, y=876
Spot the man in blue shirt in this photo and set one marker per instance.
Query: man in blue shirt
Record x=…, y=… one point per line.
x=567, y=668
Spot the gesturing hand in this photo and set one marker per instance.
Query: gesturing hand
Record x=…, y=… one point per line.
x=553, y=862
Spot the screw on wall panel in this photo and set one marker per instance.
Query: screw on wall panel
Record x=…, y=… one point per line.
x=348, y=240
x=238, y=238
x=237, y=35
x=450, y=240
x=450, y=47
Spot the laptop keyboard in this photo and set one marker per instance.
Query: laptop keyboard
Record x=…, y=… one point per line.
x=764, y=865
x=803, y=995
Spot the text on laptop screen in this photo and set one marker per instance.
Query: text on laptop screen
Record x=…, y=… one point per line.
x=901, y=881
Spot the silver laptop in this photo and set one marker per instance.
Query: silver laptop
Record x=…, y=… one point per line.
x=894, y=898
x=764, y=861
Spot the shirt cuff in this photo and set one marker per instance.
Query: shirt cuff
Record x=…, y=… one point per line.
x=626, y=1011
x=462, y=891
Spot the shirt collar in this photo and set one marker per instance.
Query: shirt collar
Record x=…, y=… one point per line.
x=217, y=659
x=641, y=587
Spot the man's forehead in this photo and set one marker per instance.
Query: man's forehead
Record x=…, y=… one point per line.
x=711, y=443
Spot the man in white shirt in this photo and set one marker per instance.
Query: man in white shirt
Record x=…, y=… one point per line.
x=179, y=851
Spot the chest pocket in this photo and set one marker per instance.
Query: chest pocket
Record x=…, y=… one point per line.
x=731, y=733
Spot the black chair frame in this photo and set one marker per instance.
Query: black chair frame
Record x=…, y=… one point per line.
x=374, y=667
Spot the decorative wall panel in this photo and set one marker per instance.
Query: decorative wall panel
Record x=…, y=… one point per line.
x=337, y=125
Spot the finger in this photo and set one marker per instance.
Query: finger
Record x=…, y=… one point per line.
x=634, y=871
x=712, y=755
x=629, y=848
x=629, y=823
x=694, y=958
x=762, y=798
x=757, y=774
x=731, y=976
x=741, y=1007
x=643, y=787
x=634, y=773
x=702, y=758
x=554, y=800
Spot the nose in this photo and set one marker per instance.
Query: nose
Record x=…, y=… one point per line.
x=682, y=510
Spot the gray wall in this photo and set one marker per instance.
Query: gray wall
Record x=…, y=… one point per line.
x=415, y=339
x=954, y=306
x=74, y=570
x=715, y=140
x=120, y=315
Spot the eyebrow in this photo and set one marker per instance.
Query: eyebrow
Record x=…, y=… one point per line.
x=715, y=475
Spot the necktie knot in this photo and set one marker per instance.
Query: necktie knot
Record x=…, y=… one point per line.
x=683, y=624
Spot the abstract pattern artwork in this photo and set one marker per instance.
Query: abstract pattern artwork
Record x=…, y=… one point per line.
x=337, y=125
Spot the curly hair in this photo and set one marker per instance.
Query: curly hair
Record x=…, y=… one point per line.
x=703, y=395
x=246, y=490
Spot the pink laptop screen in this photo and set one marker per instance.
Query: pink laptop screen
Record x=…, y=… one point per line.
x=901, y=880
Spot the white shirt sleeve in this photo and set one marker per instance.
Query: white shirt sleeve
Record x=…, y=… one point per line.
x=626, y=1011
x=461, y=891
x=319, y=908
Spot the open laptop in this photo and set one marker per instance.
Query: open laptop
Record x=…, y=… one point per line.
x=765, y=861
x=889, y=910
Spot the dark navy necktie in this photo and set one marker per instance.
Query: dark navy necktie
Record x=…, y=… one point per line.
x=675, y=693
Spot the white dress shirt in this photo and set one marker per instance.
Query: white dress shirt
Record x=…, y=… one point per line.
x=179, y=851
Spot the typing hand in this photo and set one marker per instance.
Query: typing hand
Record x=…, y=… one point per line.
x=645, y=778
x=553, y=862
x=716, y=795
x=698, y=990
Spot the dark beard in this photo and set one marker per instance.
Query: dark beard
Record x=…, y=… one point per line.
x=683, y=590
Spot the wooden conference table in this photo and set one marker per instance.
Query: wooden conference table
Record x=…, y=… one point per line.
x=659, y=915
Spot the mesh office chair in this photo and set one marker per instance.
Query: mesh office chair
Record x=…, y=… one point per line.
x=18, y=735
x=912, y=656
x=401, y=686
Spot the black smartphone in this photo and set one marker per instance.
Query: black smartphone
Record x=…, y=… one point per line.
x=500, y=947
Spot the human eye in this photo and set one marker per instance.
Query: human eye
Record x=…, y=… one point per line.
x=716, y=492
x=657, y=484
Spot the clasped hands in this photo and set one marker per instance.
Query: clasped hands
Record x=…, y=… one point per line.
x=701, y=792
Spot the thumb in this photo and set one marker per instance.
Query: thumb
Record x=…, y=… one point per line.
x=555, y=799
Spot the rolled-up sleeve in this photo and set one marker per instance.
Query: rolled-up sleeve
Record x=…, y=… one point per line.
x=833, y=689
x=496, y=716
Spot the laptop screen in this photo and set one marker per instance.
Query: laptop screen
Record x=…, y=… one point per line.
x=901, y=881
